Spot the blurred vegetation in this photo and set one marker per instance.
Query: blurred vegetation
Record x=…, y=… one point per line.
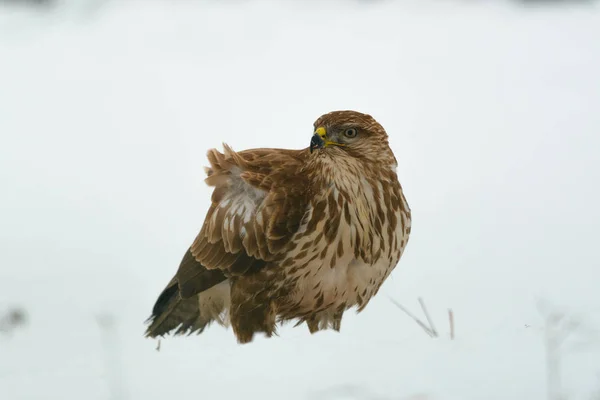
x=53, y=3
x=12, y=319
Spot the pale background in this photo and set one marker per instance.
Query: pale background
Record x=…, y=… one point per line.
x=107, y=110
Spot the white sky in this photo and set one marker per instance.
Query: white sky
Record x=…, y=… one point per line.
x=105, y=120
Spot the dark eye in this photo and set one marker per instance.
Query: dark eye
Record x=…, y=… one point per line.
x=350, y=132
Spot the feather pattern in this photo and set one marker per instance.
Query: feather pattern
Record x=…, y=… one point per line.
x=291, y=234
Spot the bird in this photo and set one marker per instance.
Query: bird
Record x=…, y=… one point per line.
x=291, y=234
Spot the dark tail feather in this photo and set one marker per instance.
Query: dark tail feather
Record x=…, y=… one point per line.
x=181, y=311
x=168, y=296
x=167, y=302
x=171, y=312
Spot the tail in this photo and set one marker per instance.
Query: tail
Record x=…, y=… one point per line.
x=193, y=299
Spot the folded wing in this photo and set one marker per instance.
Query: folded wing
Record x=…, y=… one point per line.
x=258, y=202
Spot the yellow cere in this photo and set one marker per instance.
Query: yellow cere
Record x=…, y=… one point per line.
x=323, y=133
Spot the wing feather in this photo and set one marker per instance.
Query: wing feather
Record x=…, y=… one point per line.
x=257, y=205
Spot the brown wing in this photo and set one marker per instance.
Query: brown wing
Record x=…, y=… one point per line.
x=257, y=205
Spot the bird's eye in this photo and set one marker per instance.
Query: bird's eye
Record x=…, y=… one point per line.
x=350, y=132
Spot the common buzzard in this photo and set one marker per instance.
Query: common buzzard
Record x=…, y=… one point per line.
x=291, y=234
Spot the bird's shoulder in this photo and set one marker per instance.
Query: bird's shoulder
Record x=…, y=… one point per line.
x=257, y=204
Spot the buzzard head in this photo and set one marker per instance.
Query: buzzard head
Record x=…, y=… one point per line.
x=350, y=133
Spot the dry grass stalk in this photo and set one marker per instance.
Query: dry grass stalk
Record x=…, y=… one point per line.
x=426, y=328
x=451, y=318
x=429, y=320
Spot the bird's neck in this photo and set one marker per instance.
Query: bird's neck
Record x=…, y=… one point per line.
x=354, y=197
x=349, y=174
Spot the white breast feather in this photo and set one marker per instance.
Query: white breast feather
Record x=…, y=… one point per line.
x=350, y=277
x=242, y=200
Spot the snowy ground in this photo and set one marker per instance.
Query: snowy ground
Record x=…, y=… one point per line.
x=105, y=118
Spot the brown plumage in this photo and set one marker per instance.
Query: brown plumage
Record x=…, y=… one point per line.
x=292, y=234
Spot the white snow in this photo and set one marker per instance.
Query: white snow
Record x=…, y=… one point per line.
x=106, y=115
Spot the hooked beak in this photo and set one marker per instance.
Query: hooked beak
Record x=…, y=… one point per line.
x=318, y=140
